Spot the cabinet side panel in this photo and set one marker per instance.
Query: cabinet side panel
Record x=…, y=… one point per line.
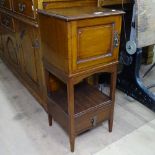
x=54, y=42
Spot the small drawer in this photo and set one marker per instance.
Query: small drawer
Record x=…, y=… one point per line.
x=91, y=119
x=6, y=4
x=7, y=22
x=24, y=7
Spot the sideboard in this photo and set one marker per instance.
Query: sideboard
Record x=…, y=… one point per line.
x=20, y=45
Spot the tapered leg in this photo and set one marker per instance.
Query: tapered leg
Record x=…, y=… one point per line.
x=50, y=120
x=110, y=123
x=112, y=95
x=70, y=92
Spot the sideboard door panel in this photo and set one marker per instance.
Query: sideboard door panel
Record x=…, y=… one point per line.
x=30, y=54
x=29, y=61
x=11, y=50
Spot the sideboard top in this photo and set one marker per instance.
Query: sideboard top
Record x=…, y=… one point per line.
x=77, y=13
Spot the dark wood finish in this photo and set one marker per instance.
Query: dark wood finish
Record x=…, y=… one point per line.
x=68, y=4
x=78, y=43
x=88, y=101
x=6, y=4
x=7, y=22
x=53, y=4
x=50, y=119
x=112, y=2
x=20, y=49
x=73, y=33
x=11, y=51
x=30, y=61
x=24, y=7
x=16, y=53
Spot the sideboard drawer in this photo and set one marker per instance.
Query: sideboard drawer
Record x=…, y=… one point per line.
x=6, y=4
x=24, y=7
x=7, y=22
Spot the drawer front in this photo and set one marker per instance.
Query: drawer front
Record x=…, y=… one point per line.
x=112, y=2
x=95, y=42
x=24, y=7
x=7, y=22
x=91, y=119
x=6, y=4
x=66, y=4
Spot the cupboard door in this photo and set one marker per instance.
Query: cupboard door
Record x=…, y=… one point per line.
x=96, y=41
x=11, y=50
x=29, y=46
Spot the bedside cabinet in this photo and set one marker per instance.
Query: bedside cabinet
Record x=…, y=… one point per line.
x=77, y=43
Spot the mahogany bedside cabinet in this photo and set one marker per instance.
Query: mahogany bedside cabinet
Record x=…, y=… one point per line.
x=77, y=43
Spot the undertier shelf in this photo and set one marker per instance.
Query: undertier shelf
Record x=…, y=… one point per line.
x=87, y=98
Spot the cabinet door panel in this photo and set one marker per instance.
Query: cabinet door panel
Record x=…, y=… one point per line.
x=96, y=41
x=29, y=62
x=30, y=55
x=92, y=42
x=11, y=50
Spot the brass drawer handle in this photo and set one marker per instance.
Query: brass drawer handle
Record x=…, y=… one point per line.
x=116, y=39
x=21, y=7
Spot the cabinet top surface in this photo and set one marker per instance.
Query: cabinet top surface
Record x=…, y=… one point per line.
x=77, y=13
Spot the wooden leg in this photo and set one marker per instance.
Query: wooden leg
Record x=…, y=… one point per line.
x=50, y=120
x=46, y=91
x=113, y=85
x=110, y=123
x=70, y=93
x=112, y=95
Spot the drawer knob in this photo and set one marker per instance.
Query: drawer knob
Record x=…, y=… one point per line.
x=21, y=7
x=94, y=121
x=22, y=34
x=116, y=40
x=36, y=44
